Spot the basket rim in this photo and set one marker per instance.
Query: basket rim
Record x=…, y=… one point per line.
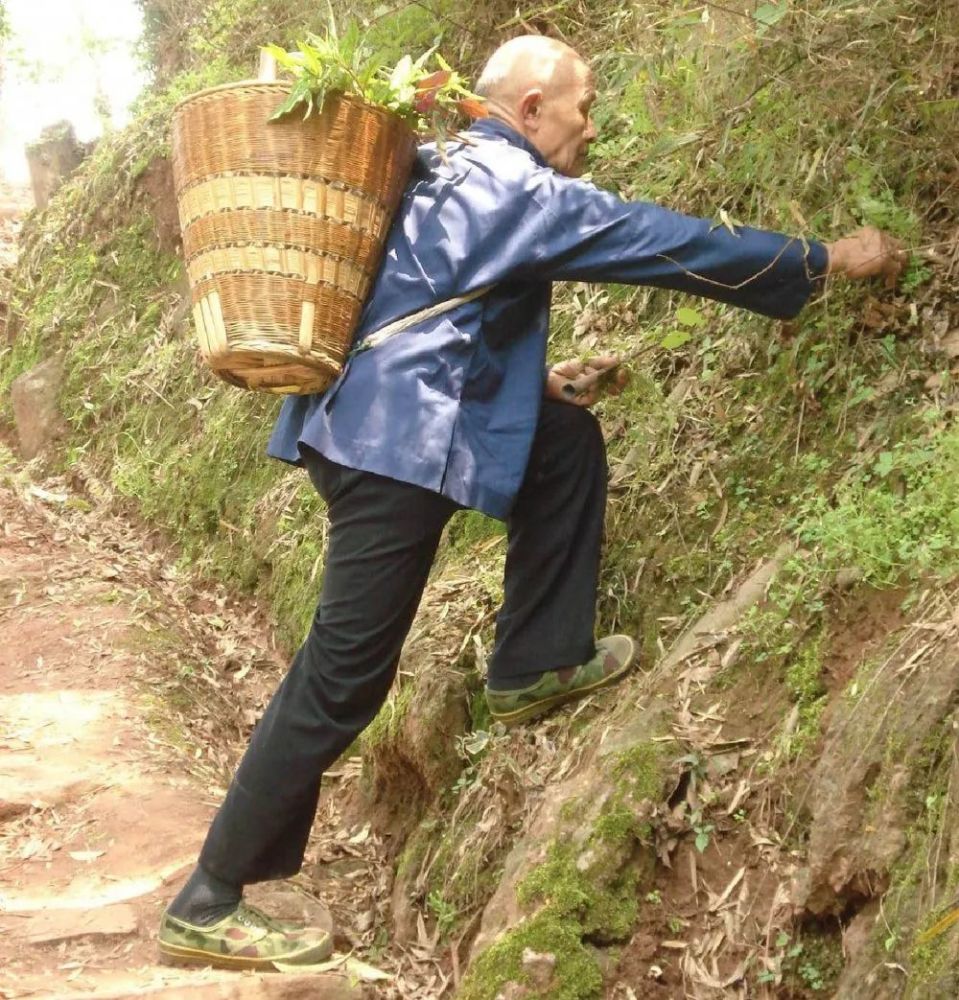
x=285, y=85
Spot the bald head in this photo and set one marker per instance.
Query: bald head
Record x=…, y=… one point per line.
x=543, y=89
x=527, y=62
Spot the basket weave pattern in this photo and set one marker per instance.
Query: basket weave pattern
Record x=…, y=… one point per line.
x=283, y=227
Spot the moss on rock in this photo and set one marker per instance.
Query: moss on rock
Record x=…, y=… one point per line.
x=577, y=974
x=640, y=770
x=572, y=885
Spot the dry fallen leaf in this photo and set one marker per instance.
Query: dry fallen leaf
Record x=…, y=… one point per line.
x=42, y=494
x=361, y=837
x=950, y=344
x=364, y=972
x=31, y=849
x=352, y=967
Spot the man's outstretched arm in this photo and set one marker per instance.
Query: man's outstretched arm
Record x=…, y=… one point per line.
x=579, y=232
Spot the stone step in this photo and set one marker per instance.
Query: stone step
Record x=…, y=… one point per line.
x=53, y=926
x=238, y=986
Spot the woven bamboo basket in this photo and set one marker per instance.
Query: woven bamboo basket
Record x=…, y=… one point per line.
x=283, y=227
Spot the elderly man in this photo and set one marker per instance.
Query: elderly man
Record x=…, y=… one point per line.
x=451, y=409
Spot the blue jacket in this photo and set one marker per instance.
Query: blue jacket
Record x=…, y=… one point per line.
x=452, y=403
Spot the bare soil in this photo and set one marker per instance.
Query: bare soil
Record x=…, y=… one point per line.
x=857, y=627
x=100, y=814
x=734, y=895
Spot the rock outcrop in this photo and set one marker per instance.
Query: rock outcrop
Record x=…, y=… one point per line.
x=35, y=409
x=52, y=158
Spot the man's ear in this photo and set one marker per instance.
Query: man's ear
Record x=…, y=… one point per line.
x=530, y=105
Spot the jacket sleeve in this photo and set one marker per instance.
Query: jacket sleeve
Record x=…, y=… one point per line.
x=581, y=233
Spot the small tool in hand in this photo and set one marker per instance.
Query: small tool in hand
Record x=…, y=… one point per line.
x=583, y=383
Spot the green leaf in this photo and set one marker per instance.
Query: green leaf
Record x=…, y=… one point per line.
x=862, y=395
x=693, y=20
x=310, y=58
x=702, y=841
x=346, y=63
x=769, y=14
x=884, y=464
x=476, y=742
x=668, y=144
x=421, y=62
x=675, y=339
x=297, y=94
x=402, y=72
x=282, y=57
x=689, y=317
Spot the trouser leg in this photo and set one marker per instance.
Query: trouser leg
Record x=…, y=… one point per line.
x=555, y=534
x=382, y=540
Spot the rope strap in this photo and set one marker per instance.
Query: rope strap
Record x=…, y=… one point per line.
x=398, y=326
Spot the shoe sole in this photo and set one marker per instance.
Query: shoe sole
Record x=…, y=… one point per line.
x=541, y=707
x=176, y=954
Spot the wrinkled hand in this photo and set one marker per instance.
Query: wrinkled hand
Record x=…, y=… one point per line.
x=563, y=373
x=868, y=252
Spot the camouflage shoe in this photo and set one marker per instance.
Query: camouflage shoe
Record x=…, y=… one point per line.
x=613, y=659
x=246, y=939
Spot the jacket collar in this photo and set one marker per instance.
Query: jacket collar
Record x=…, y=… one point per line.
x=493, y=128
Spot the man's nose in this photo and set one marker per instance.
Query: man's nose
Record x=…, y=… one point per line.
x=590, y=130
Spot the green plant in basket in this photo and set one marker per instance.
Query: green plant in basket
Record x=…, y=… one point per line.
x=428, y=100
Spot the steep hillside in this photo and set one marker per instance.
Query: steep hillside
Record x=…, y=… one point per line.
x=769, y=807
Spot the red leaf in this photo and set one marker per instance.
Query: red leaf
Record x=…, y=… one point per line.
x=470, y=106
x=434, y=81
x=424, y=103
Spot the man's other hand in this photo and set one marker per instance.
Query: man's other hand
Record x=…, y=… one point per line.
x=868, y=252
x=608, y=378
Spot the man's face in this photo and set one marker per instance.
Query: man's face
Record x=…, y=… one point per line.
x=564, y=129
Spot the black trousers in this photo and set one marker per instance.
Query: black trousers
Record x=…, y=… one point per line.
x=382, y=541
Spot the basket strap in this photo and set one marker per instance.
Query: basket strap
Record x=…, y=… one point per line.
x=398, y=326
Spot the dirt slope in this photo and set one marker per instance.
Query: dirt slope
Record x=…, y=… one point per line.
x=99, y=817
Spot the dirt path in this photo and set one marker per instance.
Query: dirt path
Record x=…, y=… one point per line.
x=99, y=817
